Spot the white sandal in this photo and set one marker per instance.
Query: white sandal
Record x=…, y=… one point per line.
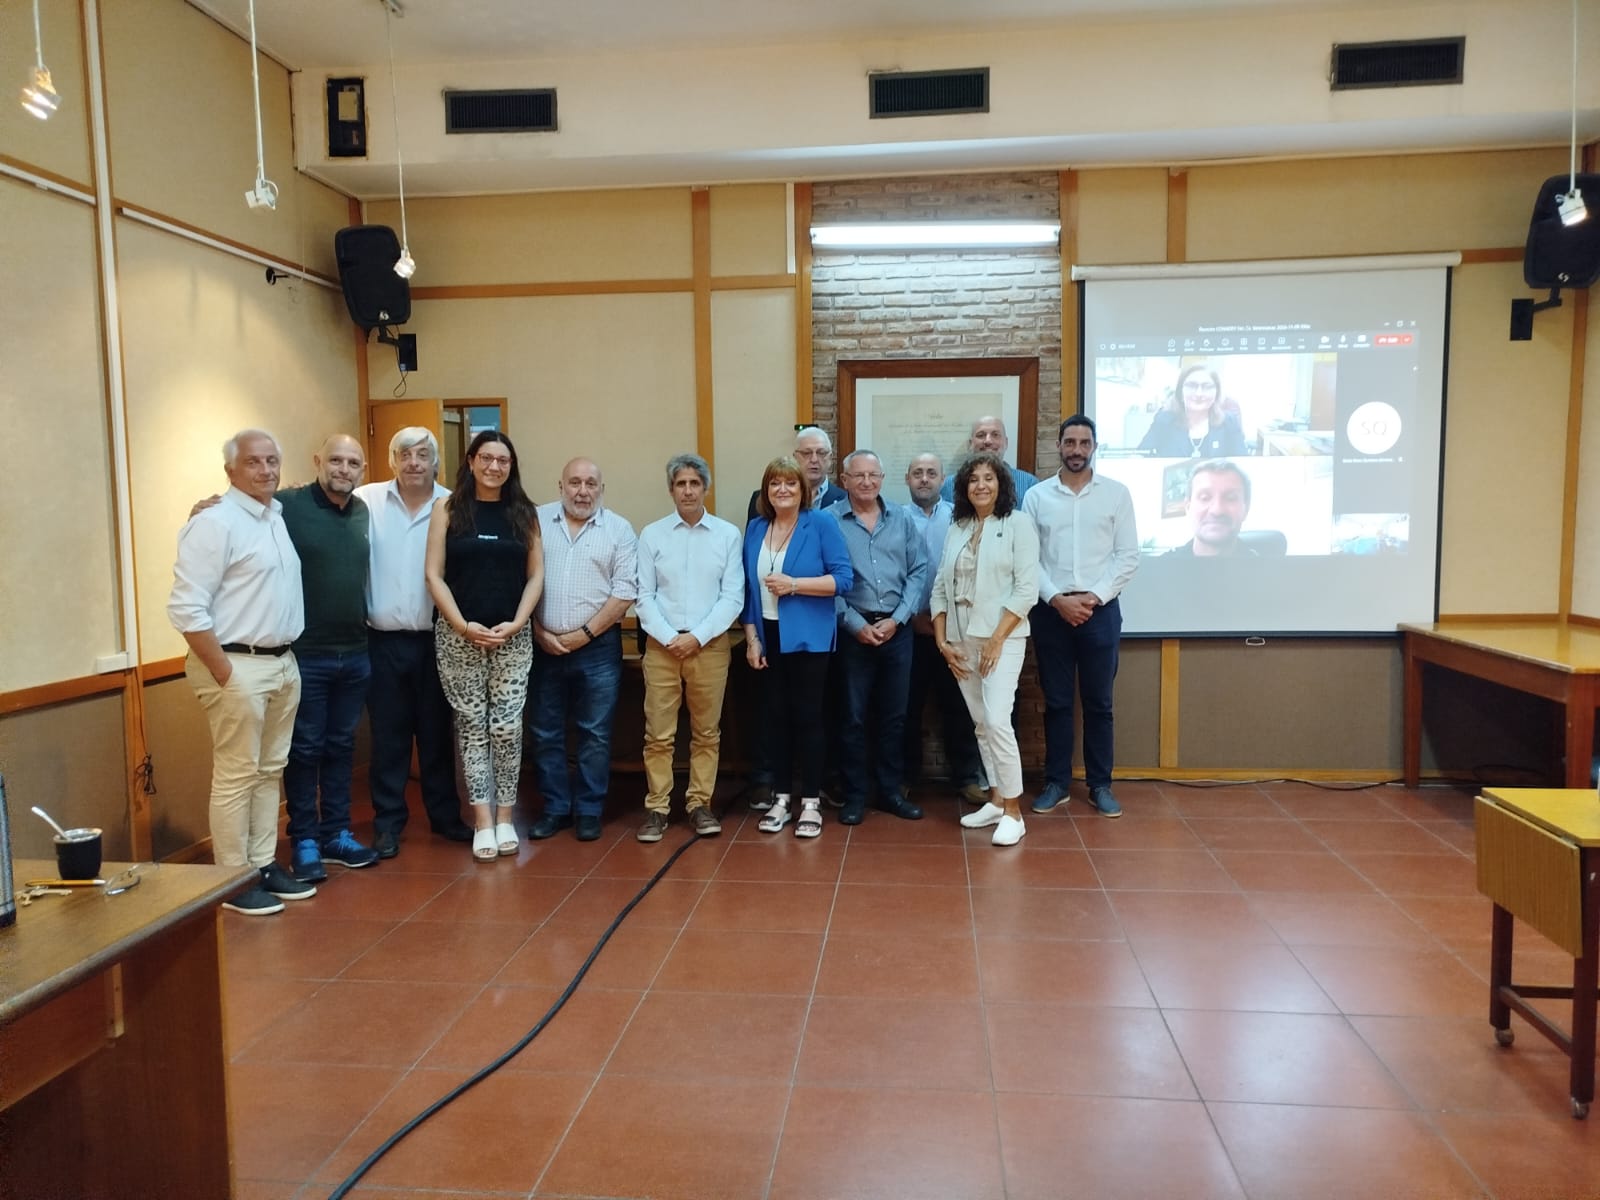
x=810, y=823
x=776, y=817
x=483, y=847
x=505, y=836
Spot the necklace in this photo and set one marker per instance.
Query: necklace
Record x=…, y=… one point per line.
x=774, y=551
x=1197, y=442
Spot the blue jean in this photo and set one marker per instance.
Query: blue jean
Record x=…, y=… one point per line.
x=875, y=681
x=1082, y=658
x=582, y=685
x=333, y=688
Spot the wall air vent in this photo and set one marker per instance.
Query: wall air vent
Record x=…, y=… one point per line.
x=503, y=110
x=928, y=93
x=1421, y=63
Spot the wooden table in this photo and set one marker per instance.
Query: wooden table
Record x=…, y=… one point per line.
x=112, y=1063
x=1552, y=659
x=1538, y=852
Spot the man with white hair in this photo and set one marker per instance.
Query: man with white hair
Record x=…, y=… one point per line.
x=405, y=704
x=236, y=600
x=989, y=436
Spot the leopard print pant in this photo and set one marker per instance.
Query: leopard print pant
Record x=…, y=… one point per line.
x=487, y=690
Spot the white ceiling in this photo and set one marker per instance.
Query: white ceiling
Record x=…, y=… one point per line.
x=733, y=67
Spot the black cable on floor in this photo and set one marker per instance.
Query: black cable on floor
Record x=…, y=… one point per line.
x=393, y=1139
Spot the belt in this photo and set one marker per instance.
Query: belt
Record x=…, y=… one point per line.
x=242, y=648
x=874, y=617
x=410, y=633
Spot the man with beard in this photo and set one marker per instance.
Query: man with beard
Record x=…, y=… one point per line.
x=329, y=526
x=590, y=578
x=1219, y=501
x=1088, y=550
x=405, y=703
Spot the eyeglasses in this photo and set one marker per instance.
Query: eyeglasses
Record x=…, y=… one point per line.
x=863, y=476
x=493, y=460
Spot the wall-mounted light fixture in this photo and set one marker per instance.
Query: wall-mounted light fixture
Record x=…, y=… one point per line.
x=935, y=235
x=38, y=93
x=1571, y=206
x=263, y=193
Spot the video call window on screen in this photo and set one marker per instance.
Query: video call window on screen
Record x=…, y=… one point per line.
x=1280, y=436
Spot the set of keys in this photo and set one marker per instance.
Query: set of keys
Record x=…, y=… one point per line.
x=28, y=895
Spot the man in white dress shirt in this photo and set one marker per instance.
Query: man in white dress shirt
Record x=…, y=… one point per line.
x=237, y=601
x=405, y=703
x=691, y=588
x=591, y=575
x=1088, y=550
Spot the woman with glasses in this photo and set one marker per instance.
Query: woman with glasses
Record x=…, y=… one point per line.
x=485, y=569
x=988, y=580
x=795, y=563
x=1196, y=422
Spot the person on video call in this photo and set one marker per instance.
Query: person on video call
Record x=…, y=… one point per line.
x=1219, y=501
x=1194, y=424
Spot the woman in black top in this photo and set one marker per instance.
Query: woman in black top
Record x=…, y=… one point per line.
x=1195, y=423
x=485, y=570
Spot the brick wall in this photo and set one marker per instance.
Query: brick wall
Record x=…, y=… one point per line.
x=958, y=304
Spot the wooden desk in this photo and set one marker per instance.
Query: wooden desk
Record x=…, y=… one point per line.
x=1538, y=852
x=1551, y=659
x=112, y=1063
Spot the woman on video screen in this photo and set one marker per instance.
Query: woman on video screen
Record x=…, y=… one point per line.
x=1195, y=423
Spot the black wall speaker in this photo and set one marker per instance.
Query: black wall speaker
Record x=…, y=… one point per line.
x=1563, y=256
x=373, y=293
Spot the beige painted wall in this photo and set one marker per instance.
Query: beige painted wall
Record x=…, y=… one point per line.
x=752, y=357
x=1586, y=551
x=56, y=521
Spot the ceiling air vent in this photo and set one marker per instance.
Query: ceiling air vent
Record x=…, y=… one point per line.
x=929, y=93
x=504, y=110
x=1421, y=63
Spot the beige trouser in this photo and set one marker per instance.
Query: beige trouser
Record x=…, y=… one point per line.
x=702, y=680
x=251, y=717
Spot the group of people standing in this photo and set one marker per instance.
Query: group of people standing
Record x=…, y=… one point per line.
x=430, y=605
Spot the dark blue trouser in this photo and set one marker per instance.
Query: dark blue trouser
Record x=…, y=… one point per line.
x=582, y=685
x=1082, y=658
x=875, y=681
x=333, y=687
x=929, y=672
x=405, y=704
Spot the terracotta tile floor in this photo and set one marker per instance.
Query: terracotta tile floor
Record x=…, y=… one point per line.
x=1266, y=992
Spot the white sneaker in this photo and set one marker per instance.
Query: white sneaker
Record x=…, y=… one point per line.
x=989, y=814
x=1009, y=831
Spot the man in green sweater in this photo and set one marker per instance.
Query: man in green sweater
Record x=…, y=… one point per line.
x=328, y=525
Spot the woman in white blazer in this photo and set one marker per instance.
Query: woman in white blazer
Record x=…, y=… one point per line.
x=988, y=580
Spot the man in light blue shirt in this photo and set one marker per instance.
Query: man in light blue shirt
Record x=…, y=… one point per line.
x=929, y=672
x=989, y=435
x=691, y=588
x=890, y=561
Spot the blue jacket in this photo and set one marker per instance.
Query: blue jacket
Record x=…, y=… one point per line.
x=815, y=548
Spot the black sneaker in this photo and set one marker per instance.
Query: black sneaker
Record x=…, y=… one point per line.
x=386, y=844
x=278, y=882
x=254, y=903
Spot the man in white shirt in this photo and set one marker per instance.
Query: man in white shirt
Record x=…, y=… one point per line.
x=405, y=704
x=691, y=588
x=1088, y=550
x=590, y=577
x=237, y=601
x=929, y=672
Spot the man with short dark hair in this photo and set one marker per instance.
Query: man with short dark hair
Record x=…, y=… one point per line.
x=405, y=703
x=1219, y=501
x=691, y=589
x=237, y=601
x=591, y=576
x=890, y=563
x=1088, y=550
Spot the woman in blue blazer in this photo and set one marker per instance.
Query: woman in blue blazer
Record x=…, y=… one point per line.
x=795, y=563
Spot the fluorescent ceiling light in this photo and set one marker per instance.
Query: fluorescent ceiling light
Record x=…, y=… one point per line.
x=936, y=235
